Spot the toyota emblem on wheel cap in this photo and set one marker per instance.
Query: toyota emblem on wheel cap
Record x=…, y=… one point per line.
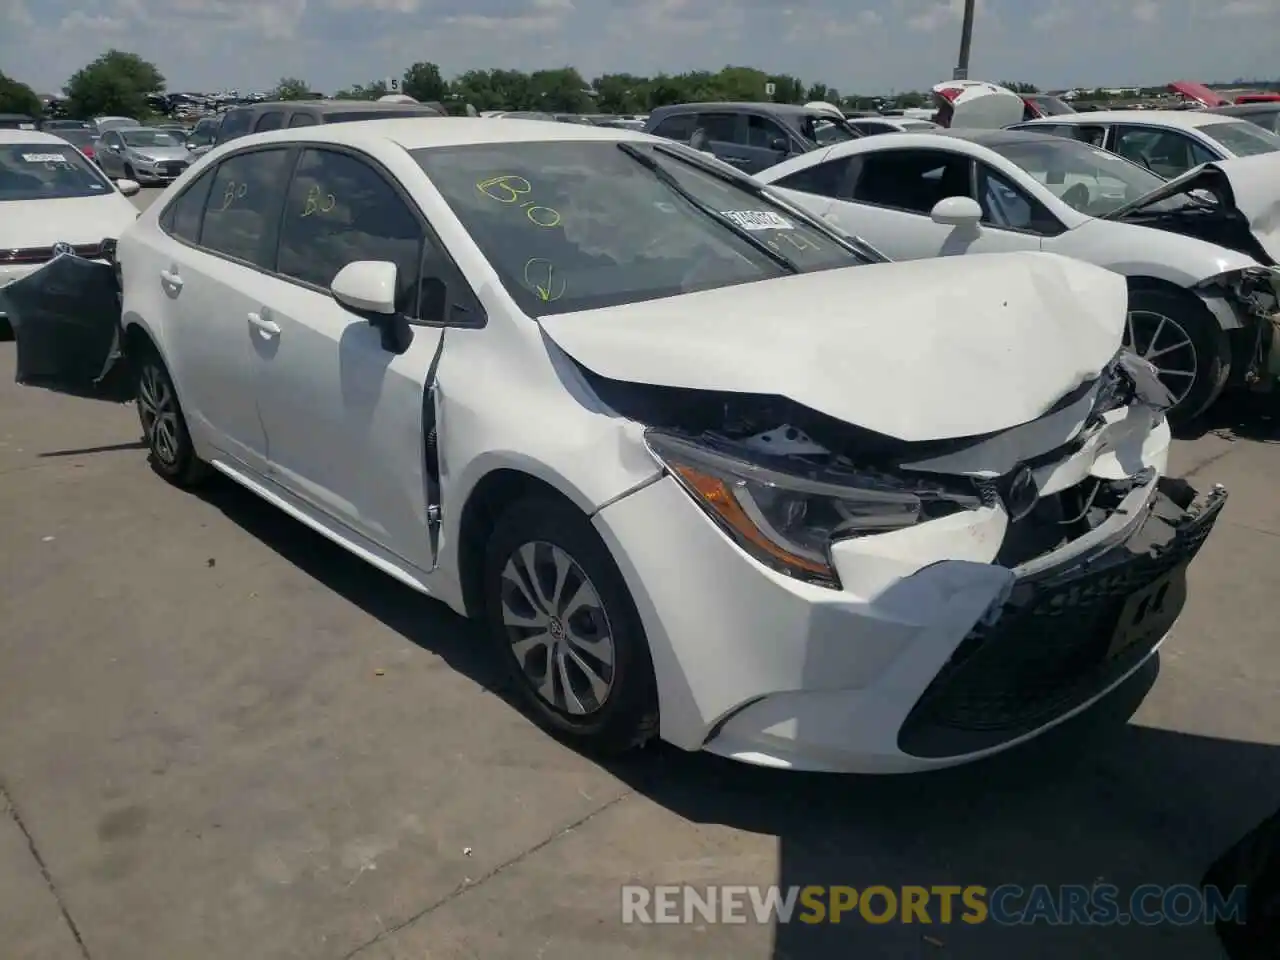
x=61, y=248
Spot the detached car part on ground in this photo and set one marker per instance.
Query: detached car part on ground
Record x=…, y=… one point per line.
x=1203, y=292
x=920, y=521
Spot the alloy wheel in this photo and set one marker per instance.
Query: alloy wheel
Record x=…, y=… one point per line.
x=1164, y=343
x=558, y=629
x=158, y=410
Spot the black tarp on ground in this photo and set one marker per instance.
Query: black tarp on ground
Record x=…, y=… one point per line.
x=66, y=321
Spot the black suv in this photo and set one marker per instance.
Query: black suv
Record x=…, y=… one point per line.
x=258, y=117
x=751, y=136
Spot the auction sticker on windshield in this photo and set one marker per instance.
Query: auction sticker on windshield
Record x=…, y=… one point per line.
x=758, y=219
x=45, y=158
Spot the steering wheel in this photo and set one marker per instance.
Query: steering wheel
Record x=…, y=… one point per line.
x=1077, y=197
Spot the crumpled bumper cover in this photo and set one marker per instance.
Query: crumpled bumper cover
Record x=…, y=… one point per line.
x=1063, y=637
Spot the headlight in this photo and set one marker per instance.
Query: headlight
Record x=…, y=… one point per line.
x=786, y=516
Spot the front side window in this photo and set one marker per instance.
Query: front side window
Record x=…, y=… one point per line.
x=235, y=123
x=765, y=134
x=302, y=120
x=244, y=205
x=43, y=171
x=825, y=131
x=720, y=127
x=1007, y=206
x=1091, y=181
x=339, y=210
x=912, y=180
x=1165, y=152
x=576, y=225
x=1242, y=138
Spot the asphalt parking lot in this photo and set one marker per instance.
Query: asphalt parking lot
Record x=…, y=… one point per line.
x=222, y=737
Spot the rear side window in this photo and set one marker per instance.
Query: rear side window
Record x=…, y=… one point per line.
x=721, y=127
x=235, y=123
x=302, y=120
x=243, y=207
x=182, y=219
x=271, y=120
x=376, y=115
x=679, y=127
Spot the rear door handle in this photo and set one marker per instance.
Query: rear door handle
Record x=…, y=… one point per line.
x=170, y=278
x=267, y=328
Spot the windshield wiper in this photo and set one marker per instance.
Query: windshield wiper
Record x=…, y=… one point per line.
x=666, y=177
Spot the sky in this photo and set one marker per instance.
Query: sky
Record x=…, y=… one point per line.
x=857, y=46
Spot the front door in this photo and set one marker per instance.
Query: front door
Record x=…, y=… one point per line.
x=344, y=415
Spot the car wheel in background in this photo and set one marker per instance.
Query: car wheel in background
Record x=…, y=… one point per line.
x=566, y=629
x=164, y=429
x=1185, y=343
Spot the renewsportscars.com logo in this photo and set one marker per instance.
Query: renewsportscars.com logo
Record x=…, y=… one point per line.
x=1006, y=905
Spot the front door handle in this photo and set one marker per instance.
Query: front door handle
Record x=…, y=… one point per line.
x=267, y=328
x=170, y=280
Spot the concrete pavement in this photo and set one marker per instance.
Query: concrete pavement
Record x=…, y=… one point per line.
x=222, y=737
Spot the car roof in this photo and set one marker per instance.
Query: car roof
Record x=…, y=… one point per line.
x=1179, y=119
x=995, y=138
x=1247, y=109
x=736, y=106
x=415, y=133
x=336, y=106
x=10, y=137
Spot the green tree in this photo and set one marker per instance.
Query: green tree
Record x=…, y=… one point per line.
x=291, y=88
x=117, y=83
x=1017, y=86
x=561, y=91
x=370, y=91
x=16, y=97
x=422, y=81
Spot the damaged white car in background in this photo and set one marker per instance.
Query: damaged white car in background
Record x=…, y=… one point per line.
x=1203, y=291
x=705, y=469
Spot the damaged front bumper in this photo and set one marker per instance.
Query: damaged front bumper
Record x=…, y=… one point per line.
x=915, y=663
x=1069, y=631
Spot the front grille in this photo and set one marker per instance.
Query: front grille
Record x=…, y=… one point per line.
x=172, y=169
x=1048, y=649
x=90, y=251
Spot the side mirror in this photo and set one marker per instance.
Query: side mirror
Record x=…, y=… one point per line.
x=190, y=145
x=367, y=287
x=779, y=145
x=957, y=212
x=129, y=188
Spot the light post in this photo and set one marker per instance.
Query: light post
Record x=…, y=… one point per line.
x=966, y=41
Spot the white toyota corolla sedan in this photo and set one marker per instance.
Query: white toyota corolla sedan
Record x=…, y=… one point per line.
x=705, y=468
x=50, y=194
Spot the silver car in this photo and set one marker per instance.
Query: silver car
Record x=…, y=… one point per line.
x=144, y=154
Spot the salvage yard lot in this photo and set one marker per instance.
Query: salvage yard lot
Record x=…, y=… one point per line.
x=222, y=737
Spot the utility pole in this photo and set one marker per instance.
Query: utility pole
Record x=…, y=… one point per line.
x=966, y=41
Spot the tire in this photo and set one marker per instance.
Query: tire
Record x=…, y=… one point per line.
x=546, y=530
x=1205, y=351
x=164, y=428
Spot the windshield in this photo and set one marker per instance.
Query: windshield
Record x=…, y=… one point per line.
x=1242, y=138
x=579, y=224
x=150, y=138
x=41, y=171
x=81, y=138
x=1087, y=179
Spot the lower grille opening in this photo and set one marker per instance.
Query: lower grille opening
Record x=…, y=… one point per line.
x=1059, y=641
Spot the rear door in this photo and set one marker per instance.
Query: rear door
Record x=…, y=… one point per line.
x=209, y=278
x=724, y=135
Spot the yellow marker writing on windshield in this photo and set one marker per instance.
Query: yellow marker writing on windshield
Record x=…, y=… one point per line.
x=318, y=202
x=509, y=188
x=541, y=277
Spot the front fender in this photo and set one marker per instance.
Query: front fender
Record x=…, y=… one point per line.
x=1137, y=251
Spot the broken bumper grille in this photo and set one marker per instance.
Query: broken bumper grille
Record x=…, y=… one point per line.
x=1061, y=639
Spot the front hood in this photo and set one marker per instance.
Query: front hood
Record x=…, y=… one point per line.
x=74, y=220
x=1250, y=185
x=153, y=154
x=925, y=350
x=977, y=105
x=1199, y=93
